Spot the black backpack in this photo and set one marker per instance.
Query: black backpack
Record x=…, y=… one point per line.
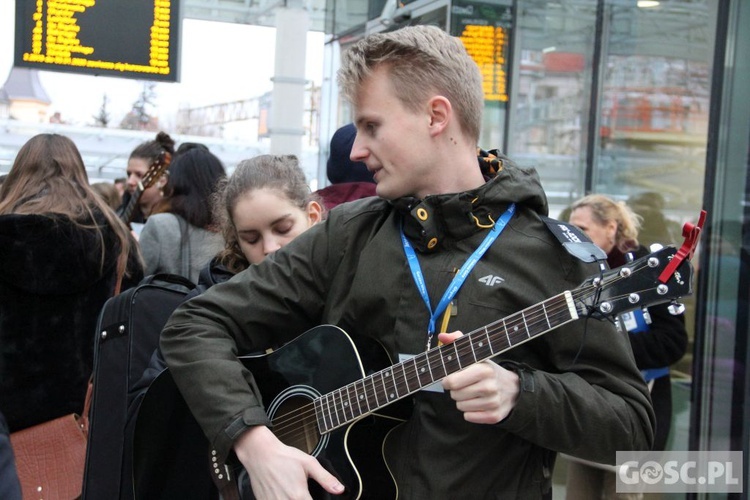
x=125, y=350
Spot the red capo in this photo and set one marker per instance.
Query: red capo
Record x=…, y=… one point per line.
x=691, y=232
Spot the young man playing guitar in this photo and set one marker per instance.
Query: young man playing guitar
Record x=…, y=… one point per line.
x=446, y=246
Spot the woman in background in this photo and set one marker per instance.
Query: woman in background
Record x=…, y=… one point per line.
x=63, y=253
x=658, y=338
x=182, y=235
x=147, y=156
x=264, y=205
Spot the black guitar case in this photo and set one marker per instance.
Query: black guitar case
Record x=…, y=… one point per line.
x=127, y=336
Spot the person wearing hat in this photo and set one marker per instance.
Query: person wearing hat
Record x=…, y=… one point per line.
x=350, y=180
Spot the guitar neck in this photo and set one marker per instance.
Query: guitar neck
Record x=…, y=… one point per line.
x=127, y=213
x=343, y=406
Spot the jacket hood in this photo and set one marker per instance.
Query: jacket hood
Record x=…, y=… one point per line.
x=214, y=273
x=49, y=254
x=521, y=185
x=459, y=215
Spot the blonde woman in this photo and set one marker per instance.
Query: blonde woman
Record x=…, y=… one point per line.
x=658, y=338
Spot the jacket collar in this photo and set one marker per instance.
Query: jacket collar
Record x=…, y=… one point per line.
x=430, y=222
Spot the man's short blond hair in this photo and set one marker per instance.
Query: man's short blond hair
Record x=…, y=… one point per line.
x=423, y=61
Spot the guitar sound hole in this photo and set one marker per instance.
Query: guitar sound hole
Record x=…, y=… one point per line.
x=294, y=424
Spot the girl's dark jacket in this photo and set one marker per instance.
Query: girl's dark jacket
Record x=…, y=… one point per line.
x=351, y=271
x=663, y=345
x=52, y=288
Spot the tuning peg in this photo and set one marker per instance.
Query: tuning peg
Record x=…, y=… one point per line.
x=676, y=308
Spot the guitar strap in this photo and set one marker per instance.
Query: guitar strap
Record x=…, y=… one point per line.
x=575, y=241
x=184, y=246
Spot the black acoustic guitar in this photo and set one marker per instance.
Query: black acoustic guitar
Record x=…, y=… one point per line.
x=330, y=394
x=157, y=168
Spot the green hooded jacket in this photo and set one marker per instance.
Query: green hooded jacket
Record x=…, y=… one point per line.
x=351, y=271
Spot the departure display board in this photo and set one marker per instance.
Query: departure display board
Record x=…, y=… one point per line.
x=485, y=30
x=122, y=38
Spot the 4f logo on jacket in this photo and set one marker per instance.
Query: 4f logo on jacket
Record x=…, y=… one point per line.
x=491, y=280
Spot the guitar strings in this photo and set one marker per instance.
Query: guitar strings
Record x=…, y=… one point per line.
x=338, y=409
x=307, y=411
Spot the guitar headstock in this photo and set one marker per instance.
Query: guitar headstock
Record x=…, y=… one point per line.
x=636, y=284
x=156, y=169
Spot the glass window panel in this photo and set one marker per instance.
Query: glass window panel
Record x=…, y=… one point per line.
x=653, y=126
x=722, y=414
x=551, y=93
x=654, y=111
x=343, y=15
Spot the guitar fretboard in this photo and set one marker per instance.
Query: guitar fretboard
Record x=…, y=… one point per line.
x=344, y=405
x=127, y=213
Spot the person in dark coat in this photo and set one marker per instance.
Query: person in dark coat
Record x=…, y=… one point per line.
x=63, y=253
x=350, y=180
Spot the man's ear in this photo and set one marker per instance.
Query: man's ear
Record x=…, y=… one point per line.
x=440, y=111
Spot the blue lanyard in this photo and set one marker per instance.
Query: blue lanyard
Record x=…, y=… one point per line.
x=459, y=278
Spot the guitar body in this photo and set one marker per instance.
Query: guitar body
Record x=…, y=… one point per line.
x=169, y=446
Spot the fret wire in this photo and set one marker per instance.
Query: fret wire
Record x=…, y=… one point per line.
x=328, y=411
x=345, y=408
x=396, y=384
x=385, y=387
x=473, y=352
x=424, y=370
x=513, y=331
x=363, y=396
x=356, y=399
x=525, y=325
x=434, y=366
x=374, y=392
x=388, y=395
x=337, y=407
x=407, y=377
x=452, y=359
x=319, y=415
x=489, y=341
x=349, y=405
x=481, y=347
